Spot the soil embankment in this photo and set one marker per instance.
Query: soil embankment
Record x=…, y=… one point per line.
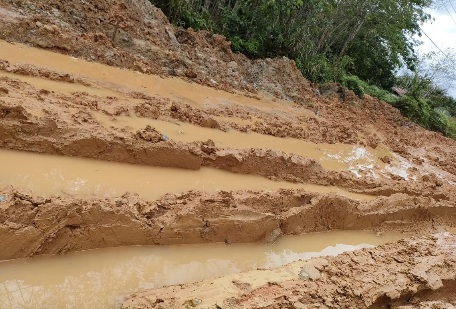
x=255, y=152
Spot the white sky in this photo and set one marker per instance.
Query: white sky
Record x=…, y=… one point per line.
x=442, y=30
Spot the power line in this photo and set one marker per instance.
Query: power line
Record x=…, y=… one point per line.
x=432, y=41
x=448, y=11
x=451, y=3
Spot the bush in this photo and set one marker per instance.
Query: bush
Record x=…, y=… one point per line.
x=353, y=83
x=451, y=132
x=380, y=94
x=422, y=113
x=413, y=109
x=360, y=87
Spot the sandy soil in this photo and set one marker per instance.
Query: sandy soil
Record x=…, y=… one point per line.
x=112, y=61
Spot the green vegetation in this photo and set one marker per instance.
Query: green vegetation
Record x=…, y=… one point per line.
x=435, y=112
x=360, y=88
x=368, y=38
x=427, y=104
x=359, y=43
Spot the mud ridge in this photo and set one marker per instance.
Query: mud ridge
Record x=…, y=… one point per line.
x=32, y=225
x=145, y=41
x=78, y=134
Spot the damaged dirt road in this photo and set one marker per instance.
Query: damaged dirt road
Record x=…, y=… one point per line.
x=150, y=135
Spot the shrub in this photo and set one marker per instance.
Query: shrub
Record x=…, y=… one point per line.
x=353, y=83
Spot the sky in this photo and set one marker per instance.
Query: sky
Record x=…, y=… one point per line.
x=442, y=31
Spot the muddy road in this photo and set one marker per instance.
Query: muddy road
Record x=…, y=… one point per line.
x=172, y=143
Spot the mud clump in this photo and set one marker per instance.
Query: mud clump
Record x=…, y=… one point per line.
x=151, y=135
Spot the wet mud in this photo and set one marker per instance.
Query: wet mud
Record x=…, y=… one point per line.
x=153, y=135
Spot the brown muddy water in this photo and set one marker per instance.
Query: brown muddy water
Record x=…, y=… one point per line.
x=49, y=175
x=124, y=80
x=111, y=81
x=102, y=278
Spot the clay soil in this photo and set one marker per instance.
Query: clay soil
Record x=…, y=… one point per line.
x=70, y=72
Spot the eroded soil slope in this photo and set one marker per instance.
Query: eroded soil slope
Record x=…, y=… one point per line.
x=114, y=81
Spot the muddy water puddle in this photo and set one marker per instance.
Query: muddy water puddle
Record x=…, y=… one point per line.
x=359, y=160
x=59, y=86
x=335, y=157
x=175, y=88
x=103, y=278
x=49, y=175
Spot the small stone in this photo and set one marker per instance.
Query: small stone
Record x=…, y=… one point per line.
x=386, y=160
x=233, y=65
x=150, y=134
x=417, y=161
x=193, y=302
x=49, y=28
x=174, y=108
x=2, y=198
x=191, y=74
x=273, y=236
x=208, y=147
x=309, y=272
x=196, y=302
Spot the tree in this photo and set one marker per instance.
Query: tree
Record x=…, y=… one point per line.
x=368, y=38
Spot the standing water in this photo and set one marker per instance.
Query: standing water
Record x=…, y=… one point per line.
x=103, y=278
x=49, y=175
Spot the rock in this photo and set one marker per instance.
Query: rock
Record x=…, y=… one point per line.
x=173, y=40
x=232, y=65
x=208, y=146
x=2, y=198
x=386, y=160
x=174, y=108
x=273, y=236
x=309, y=272
x=150, y=134
x=49, y=28
x=191, y=74
x=417, y=161
x=193, y=302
